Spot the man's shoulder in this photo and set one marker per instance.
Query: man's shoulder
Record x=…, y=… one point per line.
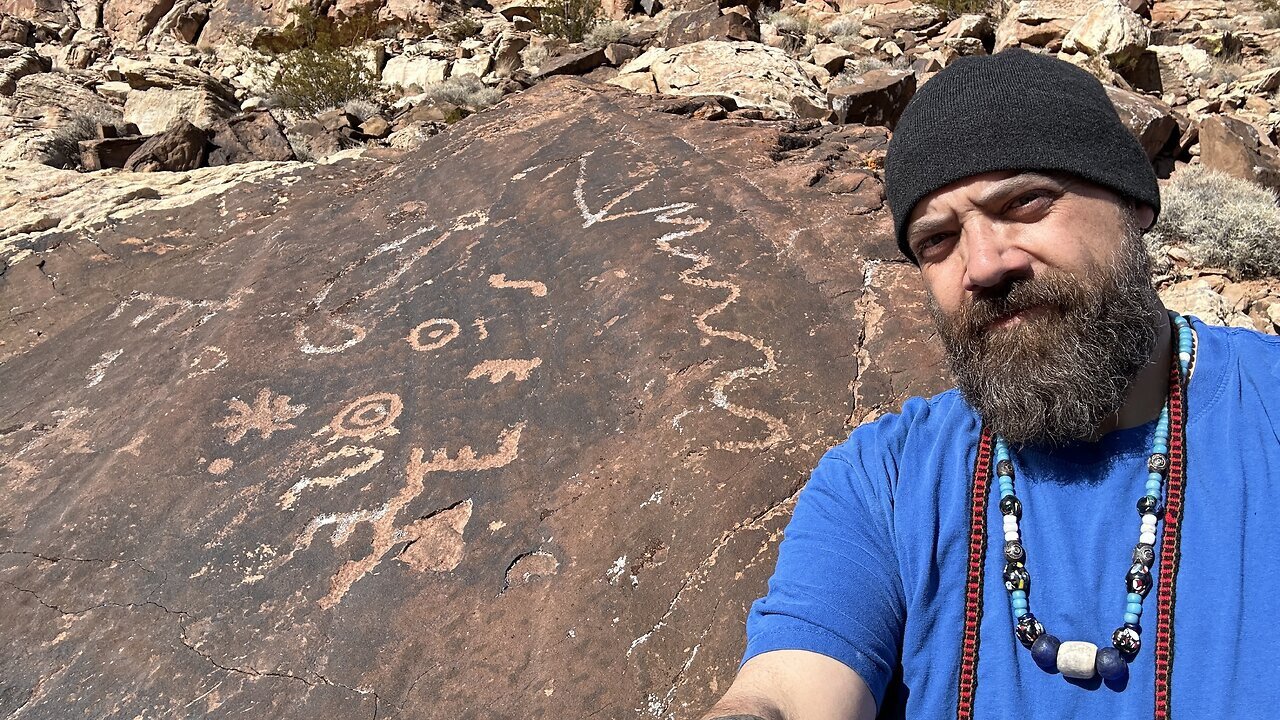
x=943, y=415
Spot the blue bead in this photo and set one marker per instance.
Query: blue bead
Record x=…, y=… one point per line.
x=1134, y=598
x=1133, y=607
x=1019, y=595
x=1132, y=618
x=1162, y=449
x=1110, y=665
x=1154, y=477
x=1045, y=652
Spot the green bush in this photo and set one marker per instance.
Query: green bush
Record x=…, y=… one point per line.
x=962, y=7
x=321, y=63
x=460, y=29
x=1219, y=221
x=570, y=19
x=463, y=90
x=605, y=33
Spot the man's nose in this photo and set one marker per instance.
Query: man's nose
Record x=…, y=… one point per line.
x=992, y=257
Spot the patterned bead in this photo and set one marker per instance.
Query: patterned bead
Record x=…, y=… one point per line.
x=1139, y=579
x=1014, y=552
x=1110, y=665
x=1127, y=640
x=1045, y=652
x=1158, y=463
x=1144, y=554
x=1016, y=577
x=1147, y=505
x=1028, y=629
x=1004, y=468
x=1011, y=505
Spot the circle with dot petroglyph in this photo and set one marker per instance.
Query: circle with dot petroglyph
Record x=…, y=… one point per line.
x=433, y=334
x=367, y=416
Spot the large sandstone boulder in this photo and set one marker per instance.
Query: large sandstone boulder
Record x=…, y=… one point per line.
x=1233, y=146
x=131, y=20
x=46, y=118
x=753, y=75
x=180, y=147
x=166, y=92
x=508, y=427
x=16, y=62
x=1039, y=23
x=1183, y=69
x=410, y=70
x=248, y=137
x=1110, y=30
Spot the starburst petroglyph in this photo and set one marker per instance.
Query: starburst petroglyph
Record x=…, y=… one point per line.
x=267, y=415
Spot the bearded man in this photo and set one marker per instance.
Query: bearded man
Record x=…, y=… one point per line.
x=1086, y=527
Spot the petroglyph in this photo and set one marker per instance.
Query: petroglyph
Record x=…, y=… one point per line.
x=268, y=414
x=498, y=370
x=221, y=465
x=61, y=435
x=206, y=361
x=438, y=332
x=500, y=280
x=680, y=214
x=98, y=370
x=383, y=519
x=134, y=446
x=166, y=310
x=481, y=330
x=367, y=417
x=437, y=539
x=371, y=456
x=362, y=289
x=525, y=568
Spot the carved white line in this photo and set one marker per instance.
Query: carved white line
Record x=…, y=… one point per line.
x=98, y=370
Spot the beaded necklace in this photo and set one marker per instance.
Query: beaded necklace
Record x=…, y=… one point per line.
x=1077, y=659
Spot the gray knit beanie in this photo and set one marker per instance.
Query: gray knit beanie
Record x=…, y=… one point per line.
x=1015, y=110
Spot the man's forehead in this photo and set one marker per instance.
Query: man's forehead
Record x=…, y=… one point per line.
x=978, y=188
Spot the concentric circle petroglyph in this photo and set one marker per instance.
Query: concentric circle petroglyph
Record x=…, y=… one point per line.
x=433, y=334
x=367, y=416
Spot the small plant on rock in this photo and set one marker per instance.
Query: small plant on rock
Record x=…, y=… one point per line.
x=460, y=29
x=956, y=8
x=791, y=23
x=1219, y=221
x=844, y=26
x=465, y=91
x=605, y=33
x=570, y=19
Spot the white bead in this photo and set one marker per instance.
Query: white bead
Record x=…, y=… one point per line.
x=1077, y=659
x=1148, y=518
x=1011, y=536
x=1185, y=357
x=1010, y=523
x=1148, y=526
x=1147, y=538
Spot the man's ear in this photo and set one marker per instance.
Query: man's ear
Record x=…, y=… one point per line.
x=1145, y=215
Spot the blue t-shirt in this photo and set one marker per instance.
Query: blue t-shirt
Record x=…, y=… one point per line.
x=871, y=570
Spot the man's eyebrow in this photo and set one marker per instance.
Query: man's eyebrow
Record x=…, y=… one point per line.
x=1017, y=183
x=925, y=226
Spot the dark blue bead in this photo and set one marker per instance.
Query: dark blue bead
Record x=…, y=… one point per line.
x=1145, y=554
x=1016, y=577
x=1045, y=652
x=1004, y=468
x=1028, y=630
x=1147, y=505
x=1110, y=665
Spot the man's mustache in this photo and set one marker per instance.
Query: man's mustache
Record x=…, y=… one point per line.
x=1018, y=296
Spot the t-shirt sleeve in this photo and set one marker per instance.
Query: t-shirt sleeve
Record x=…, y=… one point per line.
x=836, y=589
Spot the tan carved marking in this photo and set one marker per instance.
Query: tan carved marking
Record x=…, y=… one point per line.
x=221, y=465
x=366, y=417
x=134, y=447
x=437, y=539
x=437, y=333
x=206, y=361
x=166, y=310
x=383, y=519
x=268, y=414
x=98, y=370
x=372, y=456
x=533, y=286
x=497, y=370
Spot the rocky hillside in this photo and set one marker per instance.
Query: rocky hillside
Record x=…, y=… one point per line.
x=487, y=392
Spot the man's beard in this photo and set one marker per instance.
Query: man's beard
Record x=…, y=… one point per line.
x=1061, y=370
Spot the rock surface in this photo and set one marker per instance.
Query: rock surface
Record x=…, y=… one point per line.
x=513, y=422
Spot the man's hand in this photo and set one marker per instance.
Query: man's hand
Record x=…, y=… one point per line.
x=795, y=685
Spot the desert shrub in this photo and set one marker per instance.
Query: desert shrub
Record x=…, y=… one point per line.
x=361, y=108
x=1220, y=221
x=570, y=19
x=962, y=7
x=795, y=24
x=460, y=29
x=1271, y=19
x=464, y=90
x=844, y=26
x=320, y=63
x=606, y=32
x=62, y=144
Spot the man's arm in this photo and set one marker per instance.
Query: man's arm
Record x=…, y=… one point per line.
x=795, y=685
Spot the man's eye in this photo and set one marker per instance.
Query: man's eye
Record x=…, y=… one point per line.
x=1027, y=198
x=931, y=241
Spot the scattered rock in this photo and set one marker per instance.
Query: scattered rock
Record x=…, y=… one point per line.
x=1039, y=23
x=248, y=137
x=417, y=71
x=1109, y=30
x=1150, y=120
x=752, y=74
x=874, y=98
x=575, y=63
x=1233, y=146
x=180, y=147
x=16, y=62
x=103, y=153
